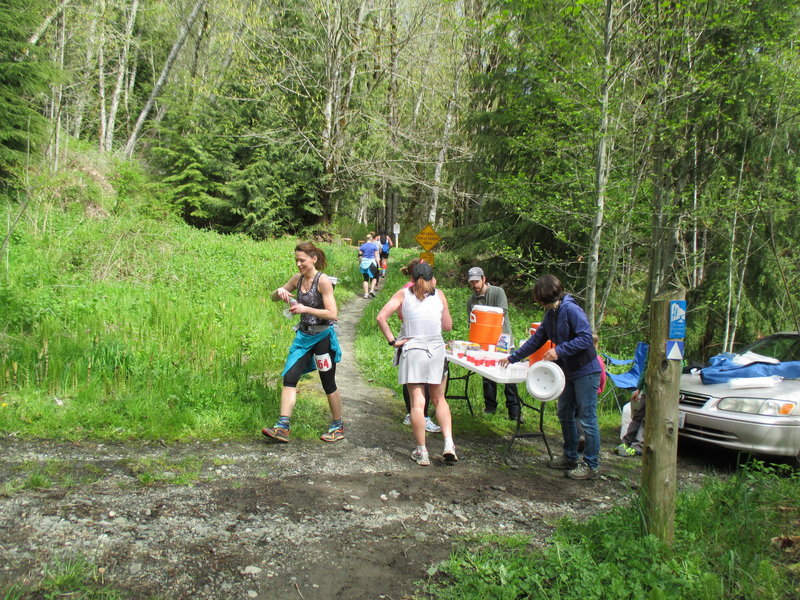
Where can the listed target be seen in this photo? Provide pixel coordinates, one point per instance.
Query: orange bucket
(485, 325)
(537, 356)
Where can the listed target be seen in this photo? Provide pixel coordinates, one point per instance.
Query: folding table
(498, 375)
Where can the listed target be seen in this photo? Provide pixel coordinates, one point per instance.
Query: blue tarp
(722, 369)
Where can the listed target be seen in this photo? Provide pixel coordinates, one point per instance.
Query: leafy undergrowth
(734, 538)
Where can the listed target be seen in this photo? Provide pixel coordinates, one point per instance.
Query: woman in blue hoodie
(565, 324)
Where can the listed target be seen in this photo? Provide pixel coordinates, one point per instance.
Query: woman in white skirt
(422, 354)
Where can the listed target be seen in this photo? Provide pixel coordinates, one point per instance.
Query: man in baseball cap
(485, 294)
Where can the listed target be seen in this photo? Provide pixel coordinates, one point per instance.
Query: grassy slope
(115, 324)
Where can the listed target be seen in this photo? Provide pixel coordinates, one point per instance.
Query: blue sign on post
(674, 350)
(677, 319)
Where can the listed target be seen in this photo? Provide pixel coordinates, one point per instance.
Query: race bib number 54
(324, 361)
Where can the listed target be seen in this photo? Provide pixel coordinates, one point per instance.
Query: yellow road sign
(427, 257)
(427, 238)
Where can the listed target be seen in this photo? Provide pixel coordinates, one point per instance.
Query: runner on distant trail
(386, 245)
(315, 345)
(368, 265)
(422, 355)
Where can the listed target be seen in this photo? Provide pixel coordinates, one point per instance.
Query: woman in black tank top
(315, 345)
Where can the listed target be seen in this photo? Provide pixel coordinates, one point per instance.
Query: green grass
(723, 548)
(184, 471)
(51, 474)
(69, 576)
(125, 327)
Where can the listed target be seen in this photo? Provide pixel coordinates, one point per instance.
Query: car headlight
(769, 407)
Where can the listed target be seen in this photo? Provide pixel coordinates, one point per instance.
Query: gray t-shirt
(494, 296)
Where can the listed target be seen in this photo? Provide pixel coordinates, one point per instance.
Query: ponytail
(423, 288)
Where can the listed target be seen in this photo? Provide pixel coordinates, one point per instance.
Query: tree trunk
(196, 56)
(392, 108)
(122, 68)
(601, 169)
(659, 461)
(84, 91)
(46, 23)
(162, 79)
(442, 157)
(101, 76)
(731, 269)
(58, 95)
(738, 306)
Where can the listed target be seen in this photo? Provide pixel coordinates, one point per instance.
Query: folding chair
(616, 362)
(630, 379)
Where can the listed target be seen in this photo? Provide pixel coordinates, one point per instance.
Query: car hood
(787, 389)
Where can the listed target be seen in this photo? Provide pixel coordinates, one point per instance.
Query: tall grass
(123, 326)
(724, 548)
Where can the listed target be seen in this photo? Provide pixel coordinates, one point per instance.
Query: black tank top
(313, 299)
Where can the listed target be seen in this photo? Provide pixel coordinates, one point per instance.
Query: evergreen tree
(24, 76)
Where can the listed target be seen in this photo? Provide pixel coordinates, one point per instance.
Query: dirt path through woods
(308, 520)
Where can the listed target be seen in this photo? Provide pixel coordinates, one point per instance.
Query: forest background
(628, 147)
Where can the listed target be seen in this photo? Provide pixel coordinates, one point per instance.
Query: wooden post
(660, 454)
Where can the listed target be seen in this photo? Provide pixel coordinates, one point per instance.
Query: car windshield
(783, 346)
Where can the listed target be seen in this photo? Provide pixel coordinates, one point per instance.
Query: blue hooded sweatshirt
(568, 328)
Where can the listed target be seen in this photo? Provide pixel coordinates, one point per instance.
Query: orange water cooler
(485, 325)
(537, 356)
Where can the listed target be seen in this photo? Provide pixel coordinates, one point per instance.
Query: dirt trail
(352, 520)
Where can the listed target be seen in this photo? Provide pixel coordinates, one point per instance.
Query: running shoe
(625, 450)
(449, 453)
(421, 457)
(276, 433)
(333, 435)
(562, 463)
(583, 471)
(431, 427)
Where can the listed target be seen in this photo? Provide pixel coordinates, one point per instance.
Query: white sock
(448, 442)
(421, 449)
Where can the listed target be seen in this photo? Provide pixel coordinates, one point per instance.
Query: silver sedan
(761, 420)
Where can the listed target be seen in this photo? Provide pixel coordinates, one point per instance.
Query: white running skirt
(422, 361)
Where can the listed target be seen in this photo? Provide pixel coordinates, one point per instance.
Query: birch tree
(162, 79)
(122, 70)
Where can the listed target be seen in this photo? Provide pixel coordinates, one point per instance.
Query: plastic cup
(287, 311)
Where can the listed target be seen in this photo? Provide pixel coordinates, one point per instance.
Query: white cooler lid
(545, 380)
(483, 308)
